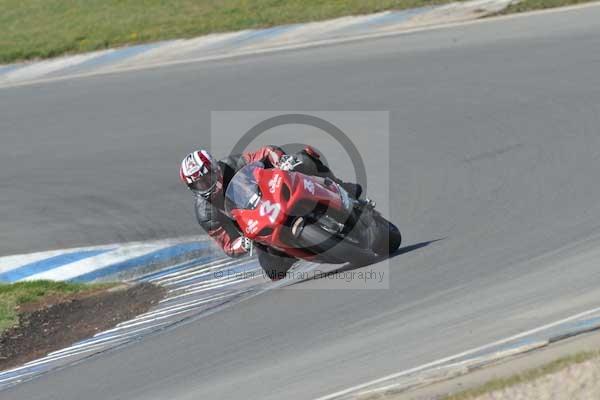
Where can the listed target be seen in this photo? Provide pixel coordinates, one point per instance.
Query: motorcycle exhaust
(297, 226)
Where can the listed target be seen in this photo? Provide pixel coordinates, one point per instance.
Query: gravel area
(53, 323)
(575, 382)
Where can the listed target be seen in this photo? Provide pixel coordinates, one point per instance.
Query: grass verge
(14, 295)
(47, 28)
(34, 29)
(527, 376)
(530, 5)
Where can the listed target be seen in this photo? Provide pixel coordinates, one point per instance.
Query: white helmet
(201, 173)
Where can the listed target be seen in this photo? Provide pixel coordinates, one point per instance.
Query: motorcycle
(306, 217)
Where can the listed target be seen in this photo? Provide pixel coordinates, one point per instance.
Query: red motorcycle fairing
(281, 194)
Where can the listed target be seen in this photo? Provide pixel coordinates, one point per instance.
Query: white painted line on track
(47, 360)
(20, 377)
(77, 352)
(194, 275)
(204, 289)
(212, 282)
(196, 270)
(459, 355)
(131, 324)
(179, 46)
(48, 66)
(110, 337)
(84, 347)
(464, 364)
(181, 304)
(181, 307)
(190, 293)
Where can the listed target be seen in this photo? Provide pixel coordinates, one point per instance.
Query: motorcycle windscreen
(243, 192)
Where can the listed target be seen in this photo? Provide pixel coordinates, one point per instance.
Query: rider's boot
(368, 203)
(353, 189)
(318, 168)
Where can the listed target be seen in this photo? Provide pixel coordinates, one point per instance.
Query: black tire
(389, 239)
(276, 267)
(332, 248)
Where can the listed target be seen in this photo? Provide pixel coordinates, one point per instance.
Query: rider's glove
(288, 162)
(242, 244)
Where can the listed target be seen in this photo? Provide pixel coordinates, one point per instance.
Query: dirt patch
(59, 321)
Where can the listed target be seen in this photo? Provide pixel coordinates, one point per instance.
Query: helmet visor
(203, 183)
(206, 183)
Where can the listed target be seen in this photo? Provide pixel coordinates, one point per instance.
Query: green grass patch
(527, 376)
(47, 28)
(530, 5)
(16, 294)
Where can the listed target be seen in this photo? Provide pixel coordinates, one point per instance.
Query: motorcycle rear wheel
(389, 237)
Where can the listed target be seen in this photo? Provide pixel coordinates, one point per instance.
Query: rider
(208, 178)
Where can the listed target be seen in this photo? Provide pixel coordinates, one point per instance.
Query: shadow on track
(349, 267)
(413, 247)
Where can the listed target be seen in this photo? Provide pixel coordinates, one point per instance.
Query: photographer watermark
(361, 275)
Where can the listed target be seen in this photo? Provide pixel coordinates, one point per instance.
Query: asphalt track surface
(495, 150)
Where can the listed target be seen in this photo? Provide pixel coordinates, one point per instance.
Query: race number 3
(271, 210)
